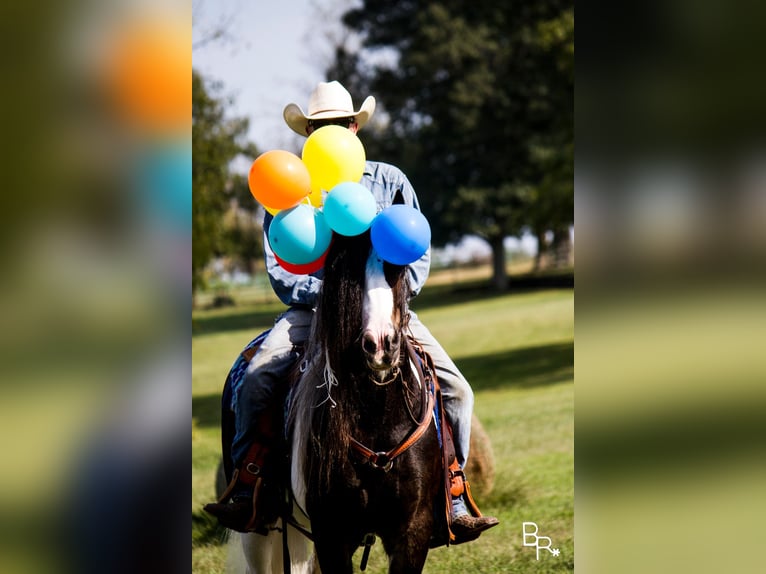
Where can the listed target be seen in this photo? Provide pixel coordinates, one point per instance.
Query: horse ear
(398, 197)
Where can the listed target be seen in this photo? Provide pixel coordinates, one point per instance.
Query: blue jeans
(278, 354)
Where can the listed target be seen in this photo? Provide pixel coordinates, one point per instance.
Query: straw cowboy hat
(328, 100)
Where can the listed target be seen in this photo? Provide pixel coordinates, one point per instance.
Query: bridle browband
(384, 460)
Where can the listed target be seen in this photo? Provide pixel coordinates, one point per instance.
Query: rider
(330, 103)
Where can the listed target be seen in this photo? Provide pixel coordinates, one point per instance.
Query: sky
(274, 55)
(270, 59)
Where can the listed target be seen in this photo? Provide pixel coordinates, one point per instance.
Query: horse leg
(263, 554)
(301, 553)
(333, 551)
(408, 548)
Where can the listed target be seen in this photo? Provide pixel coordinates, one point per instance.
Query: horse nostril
(368, 343)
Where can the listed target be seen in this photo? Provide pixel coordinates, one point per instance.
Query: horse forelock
(342, 295)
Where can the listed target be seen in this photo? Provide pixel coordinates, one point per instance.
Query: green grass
(516, 350)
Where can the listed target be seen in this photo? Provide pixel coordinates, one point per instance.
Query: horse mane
(333, 387)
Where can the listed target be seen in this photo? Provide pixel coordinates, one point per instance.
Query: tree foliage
(478, 98)
(216, 141)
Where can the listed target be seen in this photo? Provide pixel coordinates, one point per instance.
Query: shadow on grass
(520, 368)
(507, 494)
(206, 530)
(452, 293)
(236, 320)
(206, 409)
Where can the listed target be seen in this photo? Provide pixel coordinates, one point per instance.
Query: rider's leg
(267, 369)
(458, 406)
(456, 392)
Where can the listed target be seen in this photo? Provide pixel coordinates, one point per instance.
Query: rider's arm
(291, 289)
(417, 272)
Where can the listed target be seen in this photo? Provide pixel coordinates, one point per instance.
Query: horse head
(363, 307)
(384, 314)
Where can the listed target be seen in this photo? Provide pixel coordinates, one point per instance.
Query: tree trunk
(499, 273)
(541, 248)
(562, 247)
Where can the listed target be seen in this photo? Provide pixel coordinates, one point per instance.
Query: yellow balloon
(333, 154)
(315, 197)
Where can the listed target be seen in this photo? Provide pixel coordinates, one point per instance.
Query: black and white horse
(365, 456)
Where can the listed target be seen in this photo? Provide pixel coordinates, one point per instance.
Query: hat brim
(298, 121)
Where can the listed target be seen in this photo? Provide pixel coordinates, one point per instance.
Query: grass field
(517, 351)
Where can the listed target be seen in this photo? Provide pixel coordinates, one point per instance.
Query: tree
(479, 106)
(243, 228)
(216, 141)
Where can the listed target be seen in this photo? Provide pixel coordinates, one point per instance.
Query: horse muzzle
(381, 350)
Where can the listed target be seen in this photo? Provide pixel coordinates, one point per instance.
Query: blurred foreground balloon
(400, 234)
(333, 154)
(306, 269)
(299, 235)
(349, 208)
(278, 179)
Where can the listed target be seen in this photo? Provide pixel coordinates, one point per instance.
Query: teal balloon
(349, 208)
(400, 234)
(299, 235)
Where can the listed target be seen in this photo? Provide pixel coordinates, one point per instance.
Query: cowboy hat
(328, 100)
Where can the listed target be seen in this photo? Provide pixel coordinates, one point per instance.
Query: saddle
(455, 481)
(265, 468)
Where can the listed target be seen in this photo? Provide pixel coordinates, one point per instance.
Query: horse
(365, 457)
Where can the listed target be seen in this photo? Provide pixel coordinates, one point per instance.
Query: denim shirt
(383, 180)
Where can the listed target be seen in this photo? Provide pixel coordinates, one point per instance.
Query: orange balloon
(146, 74)
(279, 179)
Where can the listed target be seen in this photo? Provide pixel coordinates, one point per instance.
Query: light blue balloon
(349, 208)
(400, 234)
(299, 235)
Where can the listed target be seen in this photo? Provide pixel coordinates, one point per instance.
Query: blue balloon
(299, 235)
(349, 208)
(400, 234)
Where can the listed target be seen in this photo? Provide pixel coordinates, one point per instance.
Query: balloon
(302, 269)
(299, 235)
(315, 197)
(333, 154)
(349, 208)
(400, 234)
(279, 179)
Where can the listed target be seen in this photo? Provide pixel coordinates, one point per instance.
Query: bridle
(384, 460)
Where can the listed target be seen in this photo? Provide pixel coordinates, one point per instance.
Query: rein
(384, 460)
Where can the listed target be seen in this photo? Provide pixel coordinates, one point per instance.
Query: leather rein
(384, 460)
